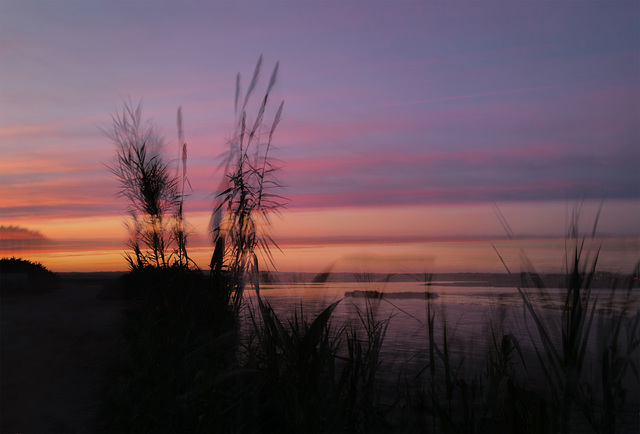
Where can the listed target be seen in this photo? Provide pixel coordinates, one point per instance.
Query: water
(469, 312)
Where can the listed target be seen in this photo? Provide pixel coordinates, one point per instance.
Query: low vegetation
(20, 276)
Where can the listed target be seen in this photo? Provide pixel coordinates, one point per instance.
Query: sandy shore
(55, 348)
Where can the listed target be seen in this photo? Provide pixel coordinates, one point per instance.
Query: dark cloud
(16, 238)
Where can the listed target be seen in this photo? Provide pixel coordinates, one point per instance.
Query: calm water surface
(469, 312)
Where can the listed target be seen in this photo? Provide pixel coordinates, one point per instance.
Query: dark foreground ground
(55, 348)
(54, 351)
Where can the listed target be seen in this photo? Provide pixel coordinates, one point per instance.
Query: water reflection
(472, 314)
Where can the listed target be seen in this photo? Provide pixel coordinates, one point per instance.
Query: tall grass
(303, 373)
(571, 400)
(618, 343)
(150, 187)
(360, 373)
(297, 370)
(246, 200)
(447, 399)
(177, 369)
(179, 231)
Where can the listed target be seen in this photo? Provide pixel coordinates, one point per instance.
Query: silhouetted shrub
(20, 276)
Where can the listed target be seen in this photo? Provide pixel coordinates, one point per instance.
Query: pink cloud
(368, 196)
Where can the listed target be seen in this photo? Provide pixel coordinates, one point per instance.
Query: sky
(406, 125)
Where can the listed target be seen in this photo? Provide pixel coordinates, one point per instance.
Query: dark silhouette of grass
(303, 373)
(152, 190)
(572, 396)
(246, 200)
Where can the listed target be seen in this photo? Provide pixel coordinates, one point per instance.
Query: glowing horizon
(435, 238)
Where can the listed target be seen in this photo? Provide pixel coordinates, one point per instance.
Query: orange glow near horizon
(425, 257)
(425, 238)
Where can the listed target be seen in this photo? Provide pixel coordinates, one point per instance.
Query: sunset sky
(404, 122)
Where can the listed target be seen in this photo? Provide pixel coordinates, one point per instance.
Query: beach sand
(55, 349)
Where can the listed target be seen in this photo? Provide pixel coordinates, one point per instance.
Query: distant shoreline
(601, 280)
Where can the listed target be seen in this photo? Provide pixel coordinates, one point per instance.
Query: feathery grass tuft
(240, 219)
(151, 189)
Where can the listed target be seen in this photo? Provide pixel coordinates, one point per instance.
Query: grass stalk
(245, 200)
